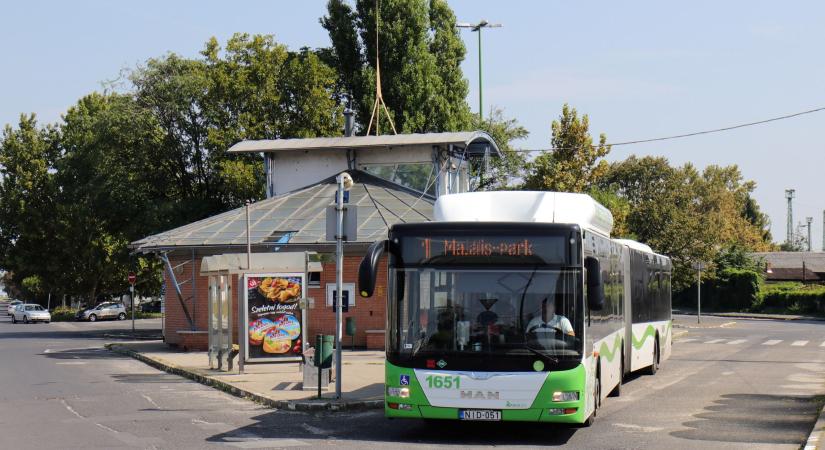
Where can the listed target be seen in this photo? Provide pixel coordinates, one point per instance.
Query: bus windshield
(477, 314)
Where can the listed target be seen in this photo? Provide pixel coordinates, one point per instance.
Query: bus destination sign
(481, 249)
(476, 247)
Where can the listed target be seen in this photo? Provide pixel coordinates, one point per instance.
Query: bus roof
(525, 206)
(635, 245)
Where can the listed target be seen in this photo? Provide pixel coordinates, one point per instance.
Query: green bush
(792, 298)
(63, 314)
(734, 290)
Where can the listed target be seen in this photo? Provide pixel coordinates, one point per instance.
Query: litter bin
(318, 363)
(323, 350)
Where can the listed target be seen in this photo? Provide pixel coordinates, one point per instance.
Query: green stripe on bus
(608, 353)
(650, 331)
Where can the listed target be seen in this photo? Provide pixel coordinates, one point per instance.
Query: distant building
(808, 267)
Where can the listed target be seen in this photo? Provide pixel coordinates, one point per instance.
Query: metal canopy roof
(299, 217)
(476, 142)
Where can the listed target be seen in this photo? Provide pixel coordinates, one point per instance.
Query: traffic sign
(132, 278)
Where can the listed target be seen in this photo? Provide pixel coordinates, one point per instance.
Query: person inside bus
(548, 319)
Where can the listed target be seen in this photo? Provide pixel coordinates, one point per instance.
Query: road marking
(822, 344)
(71, 410)
(314, 430)
(714, 341)
(738, 341)
(149, 399)
(106, 428)
(800, 343)
(692, 339)
(269, 443)
(71, 363)
(629, 426)
(772, 342)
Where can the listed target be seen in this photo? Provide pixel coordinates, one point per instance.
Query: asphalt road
(755, 384)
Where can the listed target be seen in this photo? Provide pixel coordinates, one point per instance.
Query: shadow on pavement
(148, 378)
(372, 426)
(83, 353)
(755, 418)
(44, 331)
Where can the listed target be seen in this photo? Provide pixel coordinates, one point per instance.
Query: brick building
(300, 186)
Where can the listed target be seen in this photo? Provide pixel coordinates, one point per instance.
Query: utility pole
(809, 220)
(477, 28)
(699, 265)
(789, 195)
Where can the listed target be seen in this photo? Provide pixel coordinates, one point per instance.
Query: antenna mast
(379, 97)
(789, 194)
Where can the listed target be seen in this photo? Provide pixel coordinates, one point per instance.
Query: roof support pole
(269, 169)
(174, 279)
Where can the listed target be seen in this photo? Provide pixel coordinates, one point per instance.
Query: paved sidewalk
(274, 385)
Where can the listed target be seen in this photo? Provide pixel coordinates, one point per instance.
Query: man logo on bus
(480, 395)
(405, 380)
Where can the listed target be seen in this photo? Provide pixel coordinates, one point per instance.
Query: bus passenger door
(627, 309)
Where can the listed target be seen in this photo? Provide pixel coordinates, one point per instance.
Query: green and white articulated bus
(517, 306)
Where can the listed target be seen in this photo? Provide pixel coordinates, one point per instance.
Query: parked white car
(27, 312)
(11, 306)
(103, 311)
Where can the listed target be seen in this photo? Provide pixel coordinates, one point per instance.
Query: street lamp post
(698, 266)
(477, 28)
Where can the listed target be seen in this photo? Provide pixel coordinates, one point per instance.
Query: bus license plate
(479, 414)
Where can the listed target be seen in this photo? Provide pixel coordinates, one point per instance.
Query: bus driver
(550, 320)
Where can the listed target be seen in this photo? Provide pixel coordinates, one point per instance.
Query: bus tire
(597, 393)
(655, 366)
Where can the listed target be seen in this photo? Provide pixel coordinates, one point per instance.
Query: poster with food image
(274, 315)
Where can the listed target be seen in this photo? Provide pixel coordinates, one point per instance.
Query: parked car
(27, 312)
(11, 306)
(150, 307)
(103, 311)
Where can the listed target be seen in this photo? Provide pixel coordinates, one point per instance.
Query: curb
(817, 433)
(762, 316)
(678, 334)
(292, 405)
(704, 327)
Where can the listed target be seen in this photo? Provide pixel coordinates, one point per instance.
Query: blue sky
(638, 69)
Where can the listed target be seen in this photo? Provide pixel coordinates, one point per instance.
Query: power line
(680, 136)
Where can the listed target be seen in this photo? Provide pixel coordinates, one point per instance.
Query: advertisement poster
(274, 316)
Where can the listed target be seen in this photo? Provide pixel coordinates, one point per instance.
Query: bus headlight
(565, 396)
(398, 392)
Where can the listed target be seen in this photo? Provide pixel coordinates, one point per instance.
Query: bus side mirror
(368, 270)
(595, 287)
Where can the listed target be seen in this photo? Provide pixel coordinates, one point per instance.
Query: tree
(420, 58)
(683, 213)
(254, 89)
(113, 191)
(28, 199)
(574, 164)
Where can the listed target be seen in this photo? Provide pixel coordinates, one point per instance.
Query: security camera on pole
(345, 228)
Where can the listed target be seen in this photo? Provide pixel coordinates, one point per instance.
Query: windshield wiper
(548, 358)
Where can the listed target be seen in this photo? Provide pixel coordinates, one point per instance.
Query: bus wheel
(655, 366)
(597, 393)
